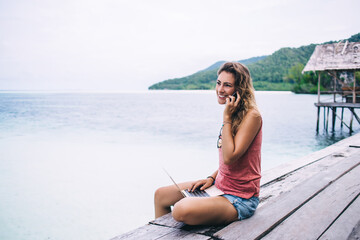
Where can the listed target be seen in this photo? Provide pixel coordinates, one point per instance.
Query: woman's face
(225, 86)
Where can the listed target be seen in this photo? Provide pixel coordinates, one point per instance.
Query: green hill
(273, 72)
(270, 73)
(204, 79)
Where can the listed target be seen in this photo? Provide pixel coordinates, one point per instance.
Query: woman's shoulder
(254, 114)
(252, 121)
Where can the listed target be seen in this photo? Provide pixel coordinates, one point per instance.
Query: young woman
(238, 175)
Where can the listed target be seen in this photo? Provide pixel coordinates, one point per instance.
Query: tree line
(280, 71)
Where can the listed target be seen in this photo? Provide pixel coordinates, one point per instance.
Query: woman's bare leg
(204, 211)
(165, 197)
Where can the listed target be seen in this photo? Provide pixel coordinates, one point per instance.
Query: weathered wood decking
(314, 197)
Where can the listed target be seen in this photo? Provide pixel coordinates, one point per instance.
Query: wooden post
(343, 122)
(327, 119)
(335, 88)
(354, 101)
(319, 88)
(333, 118)
(334, 108)
(324, 117)
(342, 117)
(354, 93)
(318, 118)
(351, 120)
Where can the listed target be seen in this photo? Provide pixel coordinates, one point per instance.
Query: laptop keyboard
(197, 193)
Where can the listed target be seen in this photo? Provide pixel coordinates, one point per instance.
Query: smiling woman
(238, 175)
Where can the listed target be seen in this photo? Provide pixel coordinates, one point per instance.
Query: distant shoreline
(116, 92)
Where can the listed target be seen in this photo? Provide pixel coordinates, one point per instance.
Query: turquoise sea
(85, 165)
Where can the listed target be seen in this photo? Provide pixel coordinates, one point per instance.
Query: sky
(128, 45)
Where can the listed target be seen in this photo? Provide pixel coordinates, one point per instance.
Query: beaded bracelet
(225, 122)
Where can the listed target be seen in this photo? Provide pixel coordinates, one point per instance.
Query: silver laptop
(209, 192)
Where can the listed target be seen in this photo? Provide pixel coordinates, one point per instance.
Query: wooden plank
(344, 225)
(355, 233)
(313, 218)
(205, 230)
(146, 232)
(268, 217)
(181, 234)
(272, 174)
(176, 230)
(334, 104)
(168, 221)
(288, 181)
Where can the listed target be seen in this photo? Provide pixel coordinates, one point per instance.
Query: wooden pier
(314, 197)
(333, 106)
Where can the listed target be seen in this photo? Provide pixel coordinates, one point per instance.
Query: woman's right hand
(204, 183)
(231, 106)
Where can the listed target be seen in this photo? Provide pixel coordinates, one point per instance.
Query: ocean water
(86, 165)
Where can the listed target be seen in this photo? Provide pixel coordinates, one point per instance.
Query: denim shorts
(245, 207)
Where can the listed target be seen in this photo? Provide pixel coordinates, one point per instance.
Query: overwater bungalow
(340, 60)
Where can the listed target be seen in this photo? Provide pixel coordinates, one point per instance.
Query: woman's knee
(160, 195)
(183, 210)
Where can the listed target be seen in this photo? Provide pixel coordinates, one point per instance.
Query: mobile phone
(241, 103)
(235, 95)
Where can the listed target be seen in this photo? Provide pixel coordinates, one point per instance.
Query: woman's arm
(234, 147)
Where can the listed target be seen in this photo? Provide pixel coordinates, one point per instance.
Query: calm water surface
(85, 165)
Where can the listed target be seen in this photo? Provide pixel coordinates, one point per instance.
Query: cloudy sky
(127, 45)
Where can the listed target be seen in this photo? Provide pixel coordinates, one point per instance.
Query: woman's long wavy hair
(244, 86)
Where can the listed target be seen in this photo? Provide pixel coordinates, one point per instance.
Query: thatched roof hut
(335, 56)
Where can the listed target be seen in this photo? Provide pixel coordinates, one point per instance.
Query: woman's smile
(222, 97)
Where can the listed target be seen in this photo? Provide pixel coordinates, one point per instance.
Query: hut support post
(355, 115)
(333, 118)
(342, 122)
(319, 108)
(327, 119)
(334, 87)
(354, 101)
(351, 121)
(319, 87)
(354, 93)
(324, 117)
(318, 119)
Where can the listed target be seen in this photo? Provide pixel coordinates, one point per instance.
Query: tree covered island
(280, 71)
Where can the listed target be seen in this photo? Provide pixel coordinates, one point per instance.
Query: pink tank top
(242, 178)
